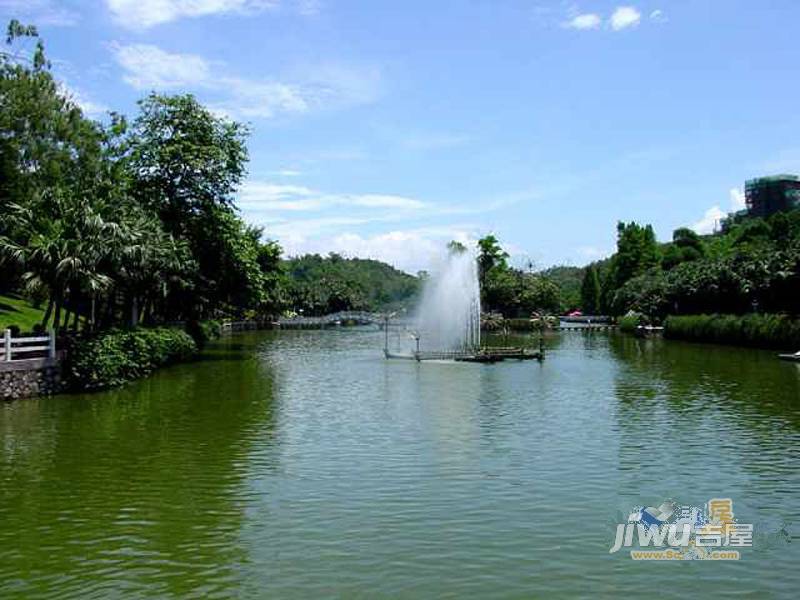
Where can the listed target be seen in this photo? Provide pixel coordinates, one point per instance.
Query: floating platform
(481, 355)
(644, 331)
(586, 327)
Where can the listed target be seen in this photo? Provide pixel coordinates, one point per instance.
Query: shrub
(756, 330)
(629, 323)
(491, 322)
(203, 331)
(519, 324)
(115, 357)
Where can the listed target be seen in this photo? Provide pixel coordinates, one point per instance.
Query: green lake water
(304, 465)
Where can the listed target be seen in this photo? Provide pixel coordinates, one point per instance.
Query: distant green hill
(325, 284)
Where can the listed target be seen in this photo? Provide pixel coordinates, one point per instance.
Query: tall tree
(491, 257)
(590, 292)
(186, 161)
(185, 164)
(637, 251)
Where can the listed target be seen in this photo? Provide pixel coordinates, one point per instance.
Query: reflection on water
(135, 489)
(302, 463)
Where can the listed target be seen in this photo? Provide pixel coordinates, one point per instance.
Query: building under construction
(768, 195)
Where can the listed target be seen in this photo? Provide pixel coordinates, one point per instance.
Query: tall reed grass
(757, 330)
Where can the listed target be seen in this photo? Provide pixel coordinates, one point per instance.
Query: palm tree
(150, 263)
(61, 245)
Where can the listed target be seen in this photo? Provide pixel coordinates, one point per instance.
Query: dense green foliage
(112, 224)
(569, 281)
(118, 356)
(686, 246)
(752, 265)
(512, 292)
(637, 252)
(185, 164)
(760, 330)
(319, 285)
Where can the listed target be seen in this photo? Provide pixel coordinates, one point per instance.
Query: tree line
(751, 265)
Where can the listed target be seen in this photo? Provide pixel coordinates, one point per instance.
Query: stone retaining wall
(28, 378)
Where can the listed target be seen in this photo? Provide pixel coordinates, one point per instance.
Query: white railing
(21, 348)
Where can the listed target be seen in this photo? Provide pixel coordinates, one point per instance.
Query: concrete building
(768, 195)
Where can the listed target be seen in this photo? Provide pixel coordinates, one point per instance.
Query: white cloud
(40, 12)
(624, 17)
(658, 16)
(710, 221)
(584, 21)
(259, 196)
(317, 87)
(264, 100)
(737, 199)
(149, 67)
(305, 219)
(268, 197)
(411, 250)
(298, 231)
(336, 222)
(287, 173)
(143, 14)
(326, 82)
(407, 250)
(262, 196)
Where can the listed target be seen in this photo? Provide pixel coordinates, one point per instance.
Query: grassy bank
(778, 332)
(15, 310)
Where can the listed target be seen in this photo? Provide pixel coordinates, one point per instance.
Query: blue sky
(384, 129)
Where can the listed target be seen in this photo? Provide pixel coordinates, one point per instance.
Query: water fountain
(449, 313)
(447, 322)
